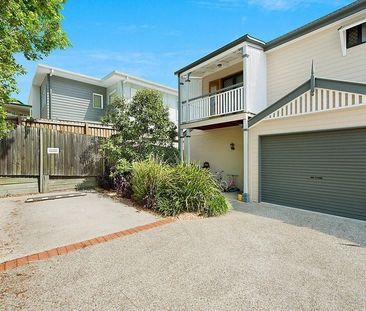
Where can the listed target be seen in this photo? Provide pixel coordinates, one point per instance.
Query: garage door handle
(316, 177)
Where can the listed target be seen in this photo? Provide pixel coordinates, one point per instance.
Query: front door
(214, 86)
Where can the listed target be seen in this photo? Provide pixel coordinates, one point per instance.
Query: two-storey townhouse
(59, 94)
(287, 116)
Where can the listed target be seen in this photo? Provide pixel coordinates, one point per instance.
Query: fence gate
(48, 155)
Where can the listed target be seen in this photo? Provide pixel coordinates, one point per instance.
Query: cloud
(272, 5)
(219, 4)
(139, 58)
(278, 5)
(135, 28)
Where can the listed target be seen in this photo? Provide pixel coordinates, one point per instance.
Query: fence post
(45, 182)
(41, 186)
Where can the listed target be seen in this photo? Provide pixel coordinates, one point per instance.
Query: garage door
(318, 171)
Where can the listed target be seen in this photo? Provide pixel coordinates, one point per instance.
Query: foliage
(149, 177)
(171, 190)
(217, 205)
(122, 184)
(4, 125)
(31, 28)
(122, 167)
(194, 188)
(143, 129)
(106, 181)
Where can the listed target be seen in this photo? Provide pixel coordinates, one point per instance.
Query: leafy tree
(143, 128)
(31, 28)
(4, 125)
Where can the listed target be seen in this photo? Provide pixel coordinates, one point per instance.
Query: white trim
(353, 24)
(343, 34)
(107, 81)
(213, 59)
(342, 37)
(44, 69)
(316, 31)
(142, 82)
(101, 96)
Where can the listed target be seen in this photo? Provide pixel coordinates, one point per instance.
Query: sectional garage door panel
(320, 171)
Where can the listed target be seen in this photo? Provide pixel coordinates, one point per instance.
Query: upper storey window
(356, 35)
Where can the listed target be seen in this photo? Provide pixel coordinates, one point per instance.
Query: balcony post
(245, 125)
(246, 160)
(180, 132)
(188, 146)
(245, 77)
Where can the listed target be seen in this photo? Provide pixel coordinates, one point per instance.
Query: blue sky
(154, 38)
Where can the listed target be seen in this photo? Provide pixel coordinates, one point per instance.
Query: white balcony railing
(218, 104)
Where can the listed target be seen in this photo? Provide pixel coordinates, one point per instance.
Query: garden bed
(168, 190)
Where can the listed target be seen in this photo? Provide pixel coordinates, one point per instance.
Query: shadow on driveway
(345, 228)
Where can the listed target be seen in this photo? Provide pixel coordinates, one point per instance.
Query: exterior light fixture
(188, 75)
(232, 146)
(219, 65)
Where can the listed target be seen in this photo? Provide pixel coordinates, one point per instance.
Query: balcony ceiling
(214, 66)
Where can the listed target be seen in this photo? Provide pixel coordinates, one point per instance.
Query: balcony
(222, 102)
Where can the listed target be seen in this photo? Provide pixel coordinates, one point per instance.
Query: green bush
(171, 190)
(194, 186)
(148, 178)
(217, 205)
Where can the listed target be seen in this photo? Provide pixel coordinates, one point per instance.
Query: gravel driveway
(257, 257)
(27, 228)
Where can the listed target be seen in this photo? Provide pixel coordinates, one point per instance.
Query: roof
(333, 17)
(245, 38)
(16, 107)
(18, 103)
(108, 80)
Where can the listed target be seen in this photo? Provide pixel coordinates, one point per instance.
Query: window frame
(343, 35)
(101, 101)
(359, 33)
(233, 76)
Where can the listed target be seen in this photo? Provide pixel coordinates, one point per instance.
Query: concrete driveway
(27, 228)
(258, 257)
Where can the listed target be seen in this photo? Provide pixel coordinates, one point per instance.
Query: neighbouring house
(288, 116)
(16, 108)
(59, 94)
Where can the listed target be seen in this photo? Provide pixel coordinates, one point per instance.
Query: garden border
(58, 251)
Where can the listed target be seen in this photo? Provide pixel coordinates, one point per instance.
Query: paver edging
(61, 250)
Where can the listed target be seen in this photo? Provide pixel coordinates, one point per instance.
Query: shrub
(193, 187)
(217, 205)
(175, 189)
(105, 180)
(122, 184)
(148, 178)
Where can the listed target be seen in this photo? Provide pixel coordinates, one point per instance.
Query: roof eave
(245, 38)
(344, 12)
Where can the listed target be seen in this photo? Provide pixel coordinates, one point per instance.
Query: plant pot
(240, 197)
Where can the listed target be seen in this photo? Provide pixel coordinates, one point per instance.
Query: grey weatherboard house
(59, 94)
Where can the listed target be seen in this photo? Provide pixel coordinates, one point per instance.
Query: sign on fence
(53, 150)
